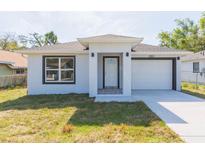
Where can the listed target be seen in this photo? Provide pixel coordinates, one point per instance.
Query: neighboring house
(12, 63)
(106, 65)
(193, 67)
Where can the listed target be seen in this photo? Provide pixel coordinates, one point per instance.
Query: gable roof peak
(109, 38)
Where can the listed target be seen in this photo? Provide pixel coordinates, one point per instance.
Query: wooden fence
(13, 80)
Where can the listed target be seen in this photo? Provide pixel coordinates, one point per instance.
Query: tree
(50, 38)
(32, 40)
(8, 42)
(186, 36)
(38, 40)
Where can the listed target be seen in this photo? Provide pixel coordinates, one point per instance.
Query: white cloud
(71, 25)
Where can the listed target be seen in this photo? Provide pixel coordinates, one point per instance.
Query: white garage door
(151, 74)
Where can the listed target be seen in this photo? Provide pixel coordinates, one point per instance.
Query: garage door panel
(151, 74)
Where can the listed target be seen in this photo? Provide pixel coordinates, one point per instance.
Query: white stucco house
(103, 65)
(193, 67)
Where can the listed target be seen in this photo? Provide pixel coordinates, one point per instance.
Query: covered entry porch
(110, 73)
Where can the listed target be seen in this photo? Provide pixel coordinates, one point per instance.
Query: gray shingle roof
(69, 46)
(76, 46)
(73, 46)
(152, 48)
(108, 36)
(194, 56)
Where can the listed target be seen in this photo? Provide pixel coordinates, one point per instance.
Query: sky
(71, 25)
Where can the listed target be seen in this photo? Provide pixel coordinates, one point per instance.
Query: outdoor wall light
(127, 54)
(178, 58)
(92, 54)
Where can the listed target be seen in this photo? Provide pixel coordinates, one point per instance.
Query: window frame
(21, 71)
(59, 69)
(198, 67)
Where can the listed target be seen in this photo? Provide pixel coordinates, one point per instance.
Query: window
(195, 67)
(59, 69)
(20, 71)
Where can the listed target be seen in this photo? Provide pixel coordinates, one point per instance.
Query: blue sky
(71, 25)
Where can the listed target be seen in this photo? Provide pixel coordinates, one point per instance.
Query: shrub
(195, 86)
(68, 128)
(185, 85)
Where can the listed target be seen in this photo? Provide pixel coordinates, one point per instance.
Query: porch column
(126, 74)
(92, 74)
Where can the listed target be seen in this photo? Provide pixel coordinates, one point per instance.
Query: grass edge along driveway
(193, 89)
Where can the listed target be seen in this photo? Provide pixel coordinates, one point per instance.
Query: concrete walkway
(183, 113)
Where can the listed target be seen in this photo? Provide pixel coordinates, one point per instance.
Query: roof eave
(28, 52)
(153, 53)
(17, 67)
(192, 59)
(86, 41)
(7, 62)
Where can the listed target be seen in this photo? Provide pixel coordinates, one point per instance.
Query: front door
(111, 72)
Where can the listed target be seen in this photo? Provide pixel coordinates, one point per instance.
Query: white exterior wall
(87, 71)
(127, 74)
(93, 74)
(187, 71)
(109, 48)
(35, 83)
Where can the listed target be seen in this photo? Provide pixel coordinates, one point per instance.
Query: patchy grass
(193, 89)
(76, 118)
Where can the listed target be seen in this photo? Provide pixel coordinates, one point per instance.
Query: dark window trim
(174, 74)
(174, 67)
(21, 71)
(118, 69)
(43, 69)
(193, 67)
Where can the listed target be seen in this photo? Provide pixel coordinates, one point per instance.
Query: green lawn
(194, 90)
(76, 118)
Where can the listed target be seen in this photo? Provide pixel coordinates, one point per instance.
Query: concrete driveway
(183, 113)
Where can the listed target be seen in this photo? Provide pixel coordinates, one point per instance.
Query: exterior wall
(187, 72)
(88, 75)
(122, 48)
(5, 70)
(100, 68)
(35, 83)
(93, 77)
(110, 47)
(127, 74)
